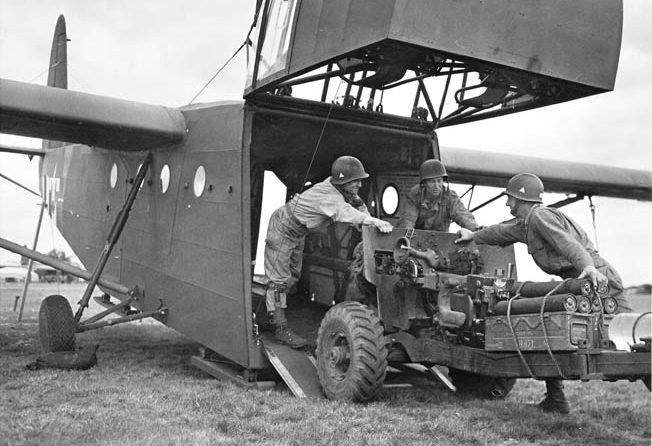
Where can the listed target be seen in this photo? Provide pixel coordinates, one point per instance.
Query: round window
(113, 177)
(200, 181)
(389, 200)
(165, 178)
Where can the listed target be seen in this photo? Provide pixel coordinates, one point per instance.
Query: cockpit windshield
(273, 56)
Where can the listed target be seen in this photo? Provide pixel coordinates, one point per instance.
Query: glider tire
(56, 324)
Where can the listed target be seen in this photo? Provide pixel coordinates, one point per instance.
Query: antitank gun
(462, 307)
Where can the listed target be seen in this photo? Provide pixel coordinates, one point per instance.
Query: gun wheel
(56, 324)
(481, 386)
(351, 353)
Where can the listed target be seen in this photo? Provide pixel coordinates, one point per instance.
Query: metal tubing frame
(82, 327)
(324, 92)
(426, 97)
(327, 76)
(361, 125)
(112, 309)
(114, 234)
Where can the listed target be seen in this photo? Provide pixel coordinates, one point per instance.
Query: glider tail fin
(58, 68)
(58, 72)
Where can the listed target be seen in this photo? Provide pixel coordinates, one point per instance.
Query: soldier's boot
(555, 400)
(267, 324)
(283, 333)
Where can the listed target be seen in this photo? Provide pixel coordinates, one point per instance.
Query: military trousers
(283, 255)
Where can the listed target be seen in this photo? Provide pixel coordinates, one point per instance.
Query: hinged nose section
(511, 47)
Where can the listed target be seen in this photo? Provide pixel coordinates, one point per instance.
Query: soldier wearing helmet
(430, 205)
(334, 199)
(558, 245)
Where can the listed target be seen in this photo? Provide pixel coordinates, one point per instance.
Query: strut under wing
(495, 169)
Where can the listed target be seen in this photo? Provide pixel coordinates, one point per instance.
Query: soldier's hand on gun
(381, 225)
(598, 279)
(465, 236)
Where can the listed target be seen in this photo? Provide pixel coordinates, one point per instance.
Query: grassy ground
(143, 391)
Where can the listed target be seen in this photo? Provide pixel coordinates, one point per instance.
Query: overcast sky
(162, 52)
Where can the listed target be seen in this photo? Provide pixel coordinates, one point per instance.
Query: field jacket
(419, 212)
(557, 244)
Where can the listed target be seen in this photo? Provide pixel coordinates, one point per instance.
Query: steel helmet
(432, 169)
(526, 187)
(347, 168)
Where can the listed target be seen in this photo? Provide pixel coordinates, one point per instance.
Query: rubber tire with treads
(56, 324)
(481, 386)
(351, 353)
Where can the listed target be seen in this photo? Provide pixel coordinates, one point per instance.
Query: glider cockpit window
(272, 56)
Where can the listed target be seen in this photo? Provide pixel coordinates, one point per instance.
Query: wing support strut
(30, 264)
(114, 235)
(491, 200)
(61, 265)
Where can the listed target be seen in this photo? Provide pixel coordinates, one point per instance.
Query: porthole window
(165, 178)
(200, 181)
(113, 177)
(389, 200)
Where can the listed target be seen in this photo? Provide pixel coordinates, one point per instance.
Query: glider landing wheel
(56, 324)
(481, 386)
(351, 353)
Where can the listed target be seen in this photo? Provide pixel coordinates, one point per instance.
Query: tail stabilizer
(58, 72)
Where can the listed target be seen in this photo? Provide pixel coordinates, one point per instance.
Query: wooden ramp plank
(295, 367)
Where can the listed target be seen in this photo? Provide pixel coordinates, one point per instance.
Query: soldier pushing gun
(334, 199)
(558, 246)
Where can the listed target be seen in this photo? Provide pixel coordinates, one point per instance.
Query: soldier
(558, 246)
(334, 199)
(431, 205)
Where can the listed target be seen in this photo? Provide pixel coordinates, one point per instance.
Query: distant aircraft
(162, 205)
(15, 274)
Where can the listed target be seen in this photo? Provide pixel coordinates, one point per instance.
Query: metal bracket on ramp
(430, 372)
(295, 367)
(229, 372)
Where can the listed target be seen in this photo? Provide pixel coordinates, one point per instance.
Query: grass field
(143, 391)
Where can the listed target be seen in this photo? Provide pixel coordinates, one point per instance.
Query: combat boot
(283, 333)
(267, 324)
(555, 401)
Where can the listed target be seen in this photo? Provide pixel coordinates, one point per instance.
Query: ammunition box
(564, 331)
